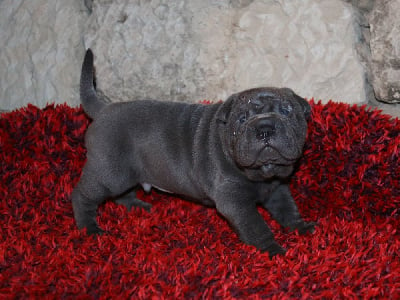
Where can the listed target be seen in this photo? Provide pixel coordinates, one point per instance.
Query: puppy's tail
(91, 103)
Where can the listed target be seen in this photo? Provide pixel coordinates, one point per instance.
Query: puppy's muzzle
(272, 132)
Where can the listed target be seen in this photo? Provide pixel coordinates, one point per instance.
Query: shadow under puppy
(233, 155)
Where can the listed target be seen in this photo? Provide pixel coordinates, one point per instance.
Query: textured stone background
(385, 46)
(191, 50)
(41, 51)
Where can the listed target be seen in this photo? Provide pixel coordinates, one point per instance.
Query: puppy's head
(265, 130)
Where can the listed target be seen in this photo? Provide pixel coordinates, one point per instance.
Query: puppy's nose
(265, 128)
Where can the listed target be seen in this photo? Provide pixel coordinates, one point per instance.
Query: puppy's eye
(285, 110)
(257, 105)
(242, 118)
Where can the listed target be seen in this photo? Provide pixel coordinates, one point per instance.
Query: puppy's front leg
(283, 209)
(250, 226)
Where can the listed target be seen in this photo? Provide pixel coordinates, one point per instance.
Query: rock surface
(191, 50)
(41, 51)
(385, 50)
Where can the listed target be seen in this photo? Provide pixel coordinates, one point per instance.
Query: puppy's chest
(266, 189)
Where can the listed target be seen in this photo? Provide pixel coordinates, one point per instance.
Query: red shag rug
(348, 181)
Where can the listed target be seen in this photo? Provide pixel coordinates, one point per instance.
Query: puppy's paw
(94, 230)
(130, 201)
(303, 227)
(274, 249)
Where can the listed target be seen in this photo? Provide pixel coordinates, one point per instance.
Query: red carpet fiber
(348, 181)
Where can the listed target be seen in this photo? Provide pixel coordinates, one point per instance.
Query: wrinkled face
(267, 129)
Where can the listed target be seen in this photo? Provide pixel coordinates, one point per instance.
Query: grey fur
(233, 156)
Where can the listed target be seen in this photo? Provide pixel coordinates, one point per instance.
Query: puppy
(233, 156)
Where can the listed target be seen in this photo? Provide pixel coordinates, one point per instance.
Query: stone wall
(192, 50)
(385, 48)
(42, 48)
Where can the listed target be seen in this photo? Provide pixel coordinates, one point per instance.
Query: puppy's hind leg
(86, 197)
(92, 190)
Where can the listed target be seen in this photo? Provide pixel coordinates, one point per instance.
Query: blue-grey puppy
(233, 155)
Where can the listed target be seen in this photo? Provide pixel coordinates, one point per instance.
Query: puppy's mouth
(269, 171)
(268, 166)
(276, 166)
(275, 157)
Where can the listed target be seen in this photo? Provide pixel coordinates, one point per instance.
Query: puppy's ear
(225, 110)
(305, 105)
